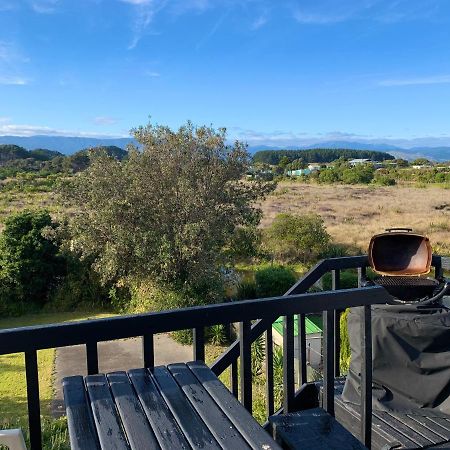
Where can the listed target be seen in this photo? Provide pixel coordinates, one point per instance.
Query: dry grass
(352, 214)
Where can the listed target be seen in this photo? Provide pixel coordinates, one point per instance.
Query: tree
(167, 211)
(29, 262)
(292, 237)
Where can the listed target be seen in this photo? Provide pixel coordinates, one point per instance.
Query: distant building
(313, 167)
(355, 162)
(298, 172)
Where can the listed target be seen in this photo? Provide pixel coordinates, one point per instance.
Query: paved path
(113, 355)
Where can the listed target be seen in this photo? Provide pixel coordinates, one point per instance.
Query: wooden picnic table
(180, 406)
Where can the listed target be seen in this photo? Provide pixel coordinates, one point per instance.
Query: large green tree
(168, 210)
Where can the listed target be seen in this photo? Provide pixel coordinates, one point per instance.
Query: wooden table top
(180, 406)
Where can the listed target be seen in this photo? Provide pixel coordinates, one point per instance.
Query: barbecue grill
(410, 335)
(402, 258)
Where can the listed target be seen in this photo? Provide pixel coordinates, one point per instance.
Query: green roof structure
(313, 325)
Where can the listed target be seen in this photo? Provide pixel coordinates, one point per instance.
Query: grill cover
(411, 358)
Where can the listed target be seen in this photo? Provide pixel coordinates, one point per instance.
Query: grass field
(352, 213)
(13, 404)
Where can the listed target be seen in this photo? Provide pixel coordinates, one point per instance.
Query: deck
(255, 318)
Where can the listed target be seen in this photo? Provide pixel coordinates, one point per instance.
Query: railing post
(199, 344)
(269, 373)
(34, 414)
(234, 380)
(92, 357)
(301, 345)
(288, 364)
(336, 285)
(366, 377)
(362, 273)
(148, 351)
(328, 362)
(246, 364)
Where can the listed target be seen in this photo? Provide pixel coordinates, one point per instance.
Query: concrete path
(112, 355)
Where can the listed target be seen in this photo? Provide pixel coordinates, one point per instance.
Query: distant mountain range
(71, 144)
(64, 144)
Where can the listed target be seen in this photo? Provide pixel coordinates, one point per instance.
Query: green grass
(13, 404)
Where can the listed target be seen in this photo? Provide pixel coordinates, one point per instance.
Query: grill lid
(399, 252)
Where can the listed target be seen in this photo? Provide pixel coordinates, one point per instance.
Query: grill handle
(399, 229)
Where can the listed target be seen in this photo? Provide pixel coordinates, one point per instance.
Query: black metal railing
(264, 312)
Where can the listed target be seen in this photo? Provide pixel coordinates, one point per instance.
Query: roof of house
(313, 325)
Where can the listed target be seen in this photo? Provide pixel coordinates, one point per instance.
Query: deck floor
(396, 430)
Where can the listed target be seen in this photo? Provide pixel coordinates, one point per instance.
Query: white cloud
(433, 79)
(105, 120)
(44, 6)
(152, 74)
(9, 129)
(260, 21)
(13, 81)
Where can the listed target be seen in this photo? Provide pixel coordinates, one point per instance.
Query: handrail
(14, 340)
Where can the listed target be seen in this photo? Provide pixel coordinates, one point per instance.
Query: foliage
(345, 343)
(348, 280)
(246, 290)
(297, 238)
(258, 352)
(29, 262)
(165, 212)
(273, 281)
(360, 174)
(80, 288)
(54, 432)
(318, 155)
(244, 243)
(217, 335)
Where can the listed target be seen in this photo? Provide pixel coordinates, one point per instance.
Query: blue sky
(274, 72)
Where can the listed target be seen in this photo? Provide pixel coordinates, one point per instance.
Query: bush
(273, 281)
(349, 279)
(293, 238)
(385, 180)
(80, 287)
(30, 265)
(246, 290)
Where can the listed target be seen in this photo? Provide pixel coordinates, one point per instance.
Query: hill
(64, 144)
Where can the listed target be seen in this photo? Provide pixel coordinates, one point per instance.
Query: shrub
(297, 238)
(30, 265)
(273, 281)
(246, 290)
(385, 180)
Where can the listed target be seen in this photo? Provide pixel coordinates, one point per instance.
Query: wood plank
(444, 433)
(382, 434)
(163, 423)
(109, 429)
(82, 432)
(313, 429)
(140, 435)
(418, 428)
(194, 429)
(254, 434)
(218, 423)
(418, 440)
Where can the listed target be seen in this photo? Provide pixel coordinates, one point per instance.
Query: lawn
(13, 404)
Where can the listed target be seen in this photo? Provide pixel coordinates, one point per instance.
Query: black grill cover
(411, 358)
